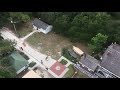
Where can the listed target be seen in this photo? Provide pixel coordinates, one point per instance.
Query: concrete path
(23, 39)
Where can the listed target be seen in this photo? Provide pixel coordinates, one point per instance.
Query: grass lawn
(70, 72)
(64, 62)
(80, 75)
(25, 29)
(52, 43)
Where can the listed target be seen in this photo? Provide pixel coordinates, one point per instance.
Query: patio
(59, 69)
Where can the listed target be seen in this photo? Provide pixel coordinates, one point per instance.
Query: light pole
(14, 25)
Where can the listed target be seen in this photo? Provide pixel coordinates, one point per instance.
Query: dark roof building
(40, 24)
(89, 61)
(111, 59)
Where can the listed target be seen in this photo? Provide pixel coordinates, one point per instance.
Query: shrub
(7, 73)
(24, 55)
(64, 62)
(32, 64)
(5, 61)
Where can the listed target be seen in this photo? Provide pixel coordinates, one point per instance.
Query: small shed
(41, 26)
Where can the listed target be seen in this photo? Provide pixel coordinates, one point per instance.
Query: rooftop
(17, 61)
(31, 74)
(40, 24)
(89, 61)
(111, 59)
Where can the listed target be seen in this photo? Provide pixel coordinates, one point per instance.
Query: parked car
(73, 54)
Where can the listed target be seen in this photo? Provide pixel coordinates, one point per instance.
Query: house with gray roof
(111, 59)
(41, 26)
(89, 62)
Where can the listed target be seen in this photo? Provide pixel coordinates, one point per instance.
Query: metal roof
(17, 61)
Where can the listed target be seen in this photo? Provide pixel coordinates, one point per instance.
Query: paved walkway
(28, 35)
(32, 53)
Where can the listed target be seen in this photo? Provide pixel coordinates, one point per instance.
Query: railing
(85, 72)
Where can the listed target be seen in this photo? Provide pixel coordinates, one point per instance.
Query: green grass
(24, 32)
(70, 72)
(53, 43)
(23, 29)
(34, 39)
(81, 75)
(64, 62)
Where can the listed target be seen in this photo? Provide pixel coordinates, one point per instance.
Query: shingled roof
(89, 61)
(40, 24)
(111, 59)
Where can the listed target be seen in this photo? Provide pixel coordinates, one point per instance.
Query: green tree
(6, 47)
(3, 18)
(5, 61)
(19, 16)
(92, 23)
(7, 72)
(61, 24)
(97, 43)
(49, 17)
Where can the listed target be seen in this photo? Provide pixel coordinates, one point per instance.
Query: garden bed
(64, 62)
(70, 72)
(32, 64)
(24, 55)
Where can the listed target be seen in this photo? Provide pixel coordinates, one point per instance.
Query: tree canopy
(78, 26)
(6, 47)
(97, 43)
(19, 16)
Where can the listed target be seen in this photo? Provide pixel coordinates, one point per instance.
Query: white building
(41, 26)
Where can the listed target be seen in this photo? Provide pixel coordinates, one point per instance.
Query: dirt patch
(52, 44)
